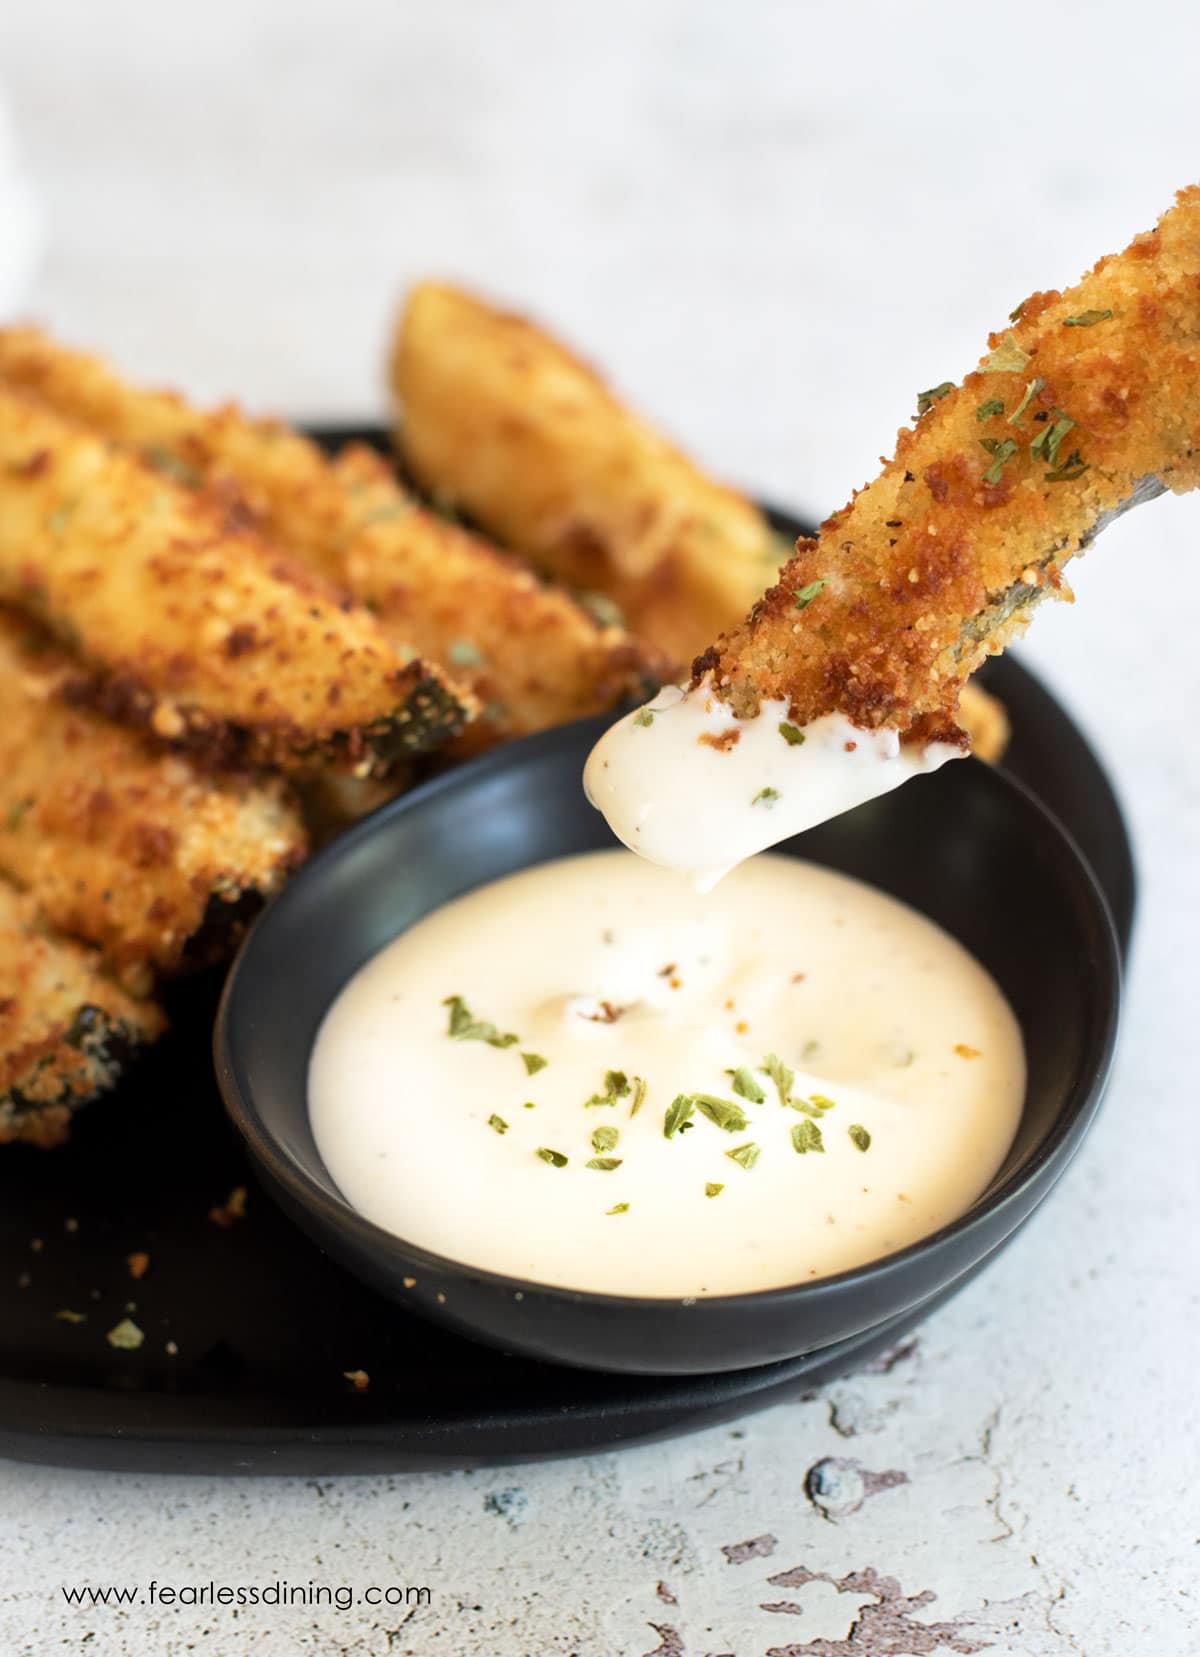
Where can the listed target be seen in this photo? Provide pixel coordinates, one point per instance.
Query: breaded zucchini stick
(66, 1032)
(499, 417)
(192, 626)
(1087, 405)
(530, 655)
(135, 851)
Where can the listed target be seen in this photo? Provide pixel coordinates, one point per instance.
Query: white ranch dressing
(685, 783)
(868, 1003)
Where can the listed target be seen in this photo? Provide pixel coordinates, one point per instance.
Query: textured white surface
(774, 224)
(20, 223)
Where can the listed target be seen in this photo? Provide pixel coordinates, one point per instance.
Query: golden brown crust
(937, 563)
(503, 420)
(66, 1032)
(499, 416)
(985, 720)
(129, 849)
(188, 623)
(530, 656)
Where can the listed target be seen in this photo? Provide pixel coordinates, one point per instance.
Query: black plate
(266, 1325)
(957, 849)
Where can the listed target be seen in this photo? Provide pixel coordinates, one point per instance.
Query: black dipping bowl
(966, 846)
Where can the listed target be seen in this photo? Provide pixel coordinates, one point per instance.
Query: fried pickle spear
(135, 851)
(1087, 405)
(66, 1032)
(497, 416)
(530, 656)
(501, 419)
(193, 627)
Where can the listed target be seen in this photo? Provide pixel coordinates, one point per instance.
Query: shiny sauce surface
(588, 1075)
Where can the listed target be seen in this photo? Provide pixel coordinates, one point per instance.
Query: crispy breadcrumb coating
(1089, 403)
(529, 654)
(191, 625)
(66, 1032)
(130, 849)
(500, 418)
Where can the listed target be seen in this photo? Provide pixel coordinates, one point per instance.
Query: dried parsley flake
(464, 1026)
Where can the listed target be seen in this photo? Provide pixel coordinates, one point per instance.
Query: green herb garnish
(604, 1139)
(792, 735)
(1074, 466)
(926, 399)
(815, 1105)
(1001, 453)
(810, 1049)
(643, 717)
(602, 609)
(986, 410)
(1045, 444)
(639, 1093)
(744, 1155)
(806, 1136)
(745, 1085)
(605, 1164)
(465, 654)
(16, 815)
(805, 595)
(1007, 358)
(464, 1027)
(859, 1135)
(712, 1189)
(1015, 316)
(723, 1112)
(618, 1208)
(616, 1086)
(533, 1062)
(766, 796)
(529, 1105)
(774, 1067)
(386, 513)
(1057, 432)
(1031, 391)
(170, 465)
(498, 1122)
(126, 1336)
(681, 1109)
(555, 1158)
(1086, 319)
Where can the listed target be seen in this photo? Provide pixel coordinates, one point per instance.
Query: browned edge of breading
(139, 852)
(66, 1032)
(527, 654)
(191, 623)
(939, 561)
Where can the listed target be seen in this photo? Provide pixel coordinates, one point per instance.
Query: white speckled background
(773, 222)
